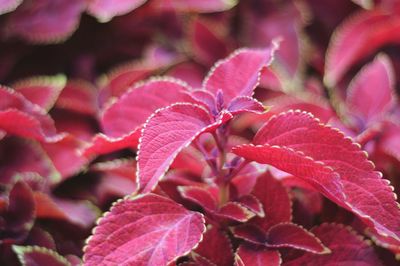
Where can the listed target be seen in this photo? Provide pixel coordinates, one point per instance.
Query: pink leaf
(20, 117)
(246, 104)
(105, 10)
(41, 90)
(147, 230)
(358, 37)
(166, 133)
(216, 247)
(45, 21)
(371, 93)
(347, 248)
(297, 143)
(65, 156)
(78, 96)
(294, 236)
(275, 200)
(256, 256)
(8, 5)
(133, 108)
(239, 74)
(34, 255)
(81, 213)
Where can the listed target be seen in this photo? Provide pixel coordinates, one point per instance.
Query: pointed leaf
(294, 236)
(347, 248)
(216, 247)
(166, 133)
(371, 93)
(238, 74)
(200, 196)
(358, 37)
(297, 143)
(275, 200)
(256, 256)
(147, 230)
(39, 21)
(105, 10)
(253, 204)
(41, 90)
(34, 255)
(236, 212)
(246, 104)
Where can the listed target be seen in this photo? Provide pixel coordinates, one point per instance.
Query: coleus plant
(235, 210)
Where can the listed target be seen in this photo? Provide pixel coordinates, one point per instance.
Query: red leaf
(256, 256)
(65, 156)
(253, 204)
(294, 236)
(20, 117)
(216, 247)
(371, 104)
(41, 90)
(297, 143)
(147, 230)
(81, 213)
(358, 37)
(189, 72)
(166, 133)
(34, 255)
(122, 120)
(78, 96)
(105, 10)
(199, 196)
(205, 44)
(275, 200)
(45, 21)
(236, 212)
(9, 5)
(347, 248)
(238, 74)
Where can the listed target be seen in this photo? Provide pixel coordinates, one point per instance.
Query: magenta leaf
(371, 104)
(20, 117)
(256, 256)
(41, 90)
(81, 213)
(216, 247)
(105, 10)
(146, 230)
(246, 104)
(8, 5)
(294, 236)
(298, 144)
(275, 200)
(165, 134)
(45, 21)
(347, 248)
(122, 120)
(35, 255)
(78, 96)
(236, 212)
(200, 196)
(358, 37)
(239, 74)
(253, 204)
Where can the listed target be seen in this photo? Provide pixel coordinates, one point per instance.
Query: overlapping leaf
(105, 10)
(297, 143)
(148, 230)
(166, 133)
(34, 255)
